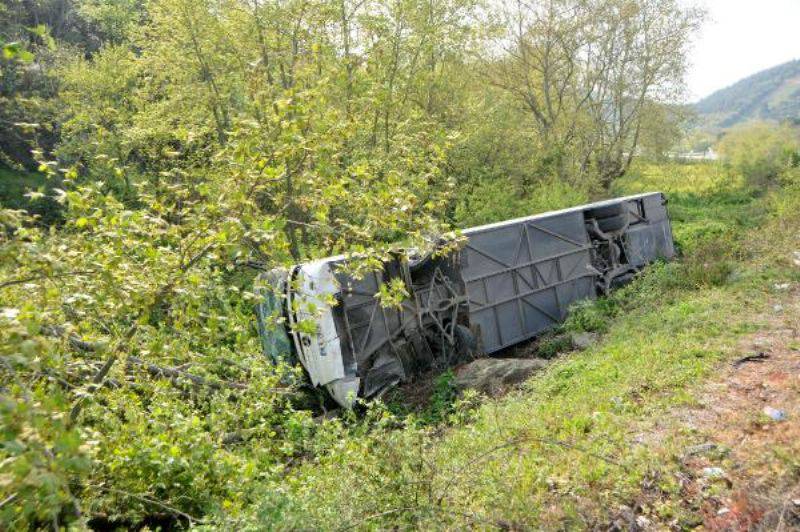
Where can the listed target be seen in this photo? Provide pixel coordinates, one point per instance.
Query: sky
(742, 37)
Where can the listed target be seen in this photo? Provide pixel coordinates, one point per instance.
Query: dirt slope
(744, 474)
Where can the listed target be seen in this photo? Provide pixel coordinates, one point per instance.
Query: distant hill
(772, 94)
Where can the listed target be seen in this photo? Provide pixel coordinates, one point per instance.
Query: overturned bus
(508, 283)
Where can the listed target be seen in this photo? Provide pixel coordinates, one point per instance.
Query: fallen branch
(98, 378)
(154, 370)
(43, 275)
(74, 340)
(148, 500)
(196, 257)
(175, 373)
(758, 358)
(10, 498)
(96, 381)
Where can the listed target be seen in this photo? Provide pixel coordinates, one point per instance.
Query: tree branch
(98, 378)
(175, 373)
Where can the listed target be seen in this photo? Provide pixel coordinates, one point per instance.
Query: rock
(626, 517)
(723, 511)
(643, 522)
(583, 340)
(9, 313)
(796, 258)
(774, 414)
(327, 415)
(492, 375)
(762, 342)
(796, 502)
(734, 277)
(778, 308)
(700, 449)
(713, 472)
(782, 286)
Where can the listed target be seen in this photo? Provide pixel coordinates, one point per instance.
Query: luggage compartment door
(521, 276)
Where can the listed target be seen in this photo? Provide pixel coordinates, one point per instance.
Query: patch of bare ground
(744, 472)
(416, 395)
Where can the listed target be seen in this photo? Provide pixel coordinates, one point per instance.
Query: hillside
(772, 94)
(682, 415)
(173, 174)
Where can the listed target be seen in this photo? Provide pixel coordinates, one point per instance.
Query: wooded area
(172, 148)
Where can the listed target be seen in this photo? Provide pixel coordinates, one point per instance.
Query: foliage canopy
(183, 145)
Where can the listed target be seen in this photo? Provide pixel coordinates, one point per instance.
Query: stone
(700, 449)
(9, 313)
(583, 340)
(774, 414)
(762, 342)
(713, 472)
(626, 517)
(494, 375)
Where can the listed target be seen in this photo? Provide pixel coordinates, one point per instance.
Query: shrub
(695, 234)
(442, 399)
(492, 200)
(591, 315)
(760, 151)
(551, 345)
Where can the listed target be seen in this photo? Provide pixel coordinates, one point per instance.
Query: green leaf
(25, 56)
(43, 32)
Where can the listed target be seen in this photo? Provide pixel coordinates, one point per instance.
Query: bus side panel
(522, 276)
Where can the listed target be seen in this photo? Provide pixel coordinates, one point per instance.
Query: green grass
(15, 183)
(543, 456)
(569, 448)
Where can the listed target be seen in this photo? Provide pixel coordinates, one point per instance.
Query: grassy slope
(568, 449)
(14, 184)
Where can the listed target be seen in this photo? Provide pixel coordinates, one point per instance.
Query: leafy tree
(586, 71)
(296, 112)
(661, 130)
(193, 155)
(760, 150)
(194, 142)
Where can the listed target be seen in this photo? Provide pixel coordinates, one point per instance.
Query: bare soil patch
(744, 474)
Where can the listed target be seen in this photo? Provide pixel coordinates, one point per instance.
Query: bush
(591, 315)
(552, 344)
(760, 151)
(492, 200)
